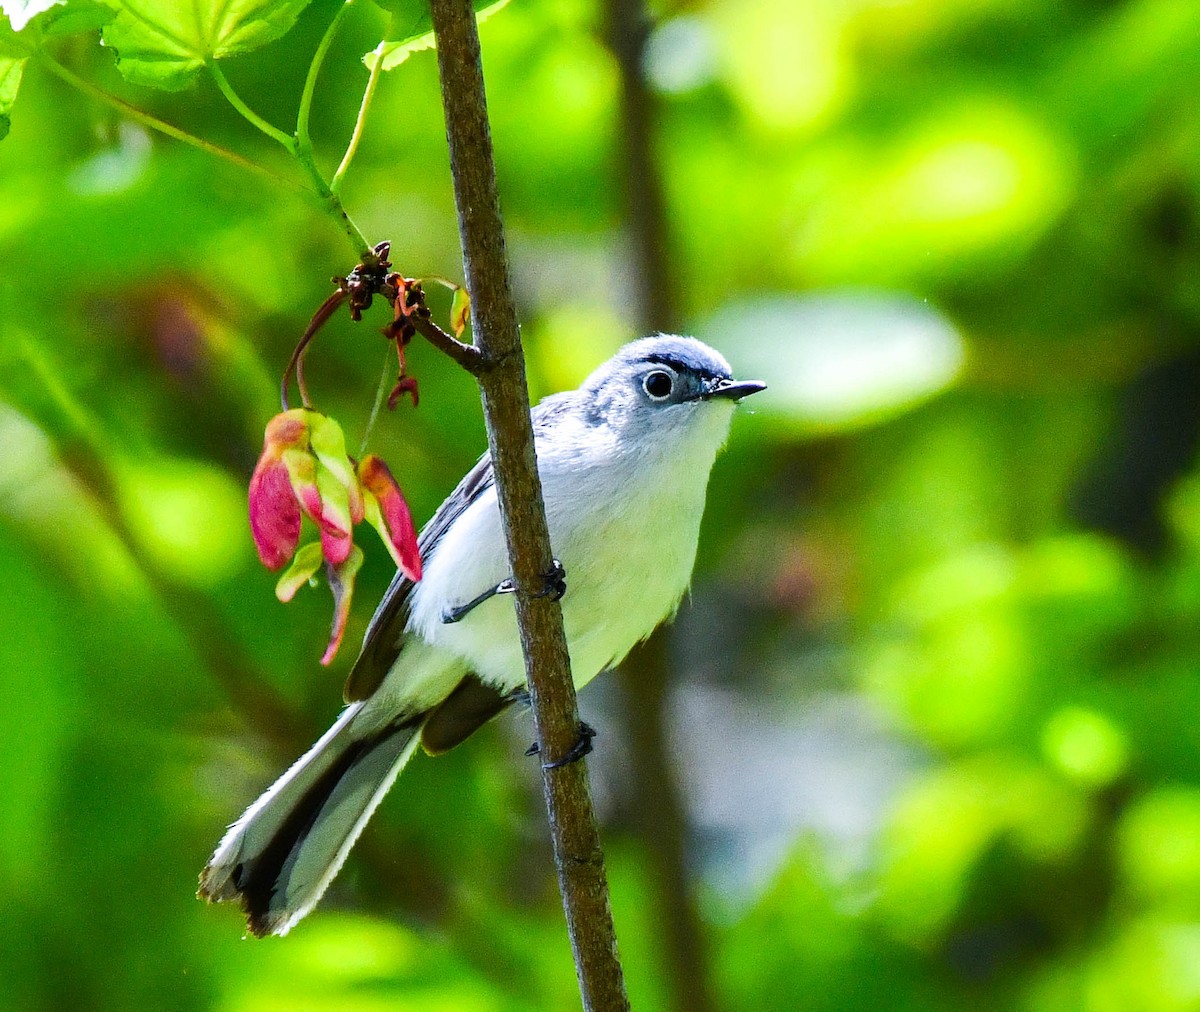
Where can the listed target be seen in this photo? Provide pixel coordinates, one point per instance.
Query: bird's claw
(554, 583)
(582, 746)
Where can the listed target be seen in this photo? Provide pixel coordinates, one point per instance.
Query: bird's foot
(582, 746)
(554, 585)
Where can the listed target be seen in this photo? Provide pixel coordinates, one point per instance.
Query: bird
(624, 462)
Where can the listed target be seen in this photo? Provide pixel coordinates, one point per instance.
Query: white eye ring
(653, 385)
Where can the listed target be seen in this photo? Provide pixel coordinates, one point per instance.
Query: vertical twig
(502, 383)
(657, 808)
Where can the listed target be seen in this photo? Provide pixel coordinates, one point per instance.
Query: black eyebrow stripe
(679, 365)
(674, 363)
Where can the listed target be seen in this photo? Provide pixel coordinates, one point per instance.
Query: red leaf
(274, 512)
(388, 512)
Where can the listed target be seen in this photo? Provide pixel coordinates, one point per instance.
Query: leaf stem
(359, 125)
(162, 127)
(310, 81)
(333, 204)
(248, 114)
(296, 362)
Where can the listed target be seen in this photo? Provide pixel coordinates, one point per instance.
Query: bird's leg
(457, 614)
(554, 585)
(582, 746)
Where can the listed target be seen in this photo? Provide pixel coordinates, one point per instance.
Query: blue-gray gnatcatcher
(624, 462)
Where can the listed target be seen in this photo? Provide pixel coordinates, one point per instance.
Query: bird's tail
(281, 855)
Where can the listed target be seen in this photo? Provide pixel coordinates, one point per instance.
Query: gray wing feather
(385, 631)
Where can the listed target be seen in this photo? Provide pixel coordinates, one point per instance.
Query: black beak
(734, 390)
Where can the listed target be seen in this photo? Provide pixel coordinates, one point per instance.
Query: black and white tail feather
(281, 855)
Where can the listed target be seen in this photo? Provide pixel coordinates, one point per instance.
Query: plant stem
(359, 124)
(333, 204)
(248, 114)
(310, 81)
(162, 127)
(573, 829)
(296, 362)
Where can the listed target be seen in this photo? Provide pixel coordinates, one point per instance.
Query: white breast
(624, 525)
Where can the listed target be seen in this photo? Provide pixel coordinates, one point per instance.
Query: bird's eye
(657, 385)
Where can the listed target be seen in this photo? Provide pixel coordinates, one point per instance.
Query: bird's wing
(385, 632)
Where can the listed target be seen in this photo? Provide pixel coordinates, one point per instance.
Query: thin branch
(248, 114)
(162, 127)
(468, 356)
(310, 80)
(578, 855)
(359, 125)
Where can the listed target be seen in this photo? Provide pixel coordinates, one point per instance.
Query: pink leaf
(274, 512)
(335, 546)
(388, 513)
(341, 582)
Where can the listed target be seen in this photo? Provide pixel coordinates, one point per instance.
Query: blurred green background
(925, 734)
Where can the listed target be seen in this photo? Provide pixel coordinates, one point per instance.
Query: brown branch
(468, 356)
(578, 855)
(657, 809)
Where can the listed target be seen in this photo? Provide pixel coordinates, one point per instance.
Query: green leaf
(411, 30)
(302, 570)
(74, 17)
(10, 43)
(166, 43)
(21, 12)
(11, 69)
(28, 25)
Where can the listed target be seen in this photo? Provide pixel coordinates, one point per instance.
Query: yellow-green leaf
(11, 69)
(460, 311)
(166, 43)
(411, 30)
(303, 568)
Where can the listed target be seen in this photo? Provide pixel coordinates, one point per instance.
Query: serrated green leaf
(10, 44)
(411, 29)
(21, 12)
(24, 26)
(11, 70)
(75, 17)
(166, 43)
